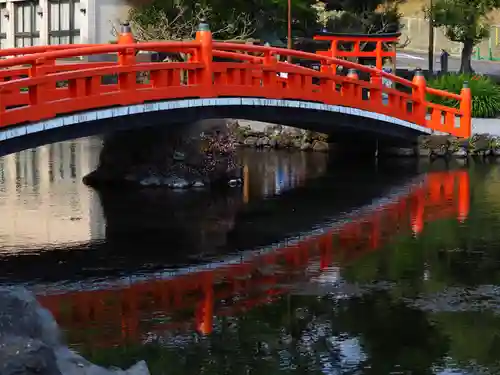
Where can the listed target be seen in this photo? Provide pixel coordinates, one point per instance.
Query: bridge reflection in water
(192, 299)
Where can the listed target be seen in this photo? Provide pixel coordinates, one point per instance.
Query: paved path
(414, 60)
(486, 126)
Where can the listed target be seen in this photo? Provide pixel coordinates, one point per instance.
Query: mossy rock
(285, 140)
(439, 141)
(322, 137)
(495, 142)
(481, 142)
(243, 131)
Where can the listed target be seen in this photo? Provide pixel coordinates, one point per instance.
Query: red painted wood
(29, 79)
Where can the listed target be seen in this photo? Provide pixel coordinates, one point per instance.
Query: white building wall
(84, 21)
(43, 200)
(107, 14)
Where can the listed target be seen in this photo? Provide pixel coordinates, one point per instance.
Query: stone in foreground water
(30, 342)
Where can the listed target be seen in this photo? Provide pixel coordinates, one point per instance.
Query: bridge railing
(38, 84)
(409, 102)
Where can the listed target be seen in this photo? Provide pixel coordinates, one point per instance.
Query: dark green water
(423, 303)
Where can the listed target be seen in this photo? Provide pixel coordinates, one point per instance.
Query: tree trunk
(465, 61)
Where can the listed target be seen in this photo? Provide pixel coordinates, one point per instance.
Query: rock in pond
(320, 146)
(31, 344)
(175, 182)
(460, 153)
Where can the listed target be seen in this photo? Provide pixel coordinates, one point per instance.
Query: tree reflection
(300, 334)
(448, 255)
(393, 336)
(377, 331)
(474, 339)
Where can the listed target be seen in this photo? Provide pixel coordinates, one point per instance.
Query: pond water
(315, 265)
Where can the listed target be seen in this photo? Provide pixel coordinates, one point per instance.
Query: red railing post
(125, 36)
(126, 80)
(333, 51)
(466, 111)
(204, 37)
(34, 92)
(376, 93)
(41, 92)
(378, 55)
(419, 102)
(270, 71)
(352, 88)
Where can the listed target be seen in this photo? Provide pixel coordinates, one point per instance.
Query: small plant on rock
(485, 93)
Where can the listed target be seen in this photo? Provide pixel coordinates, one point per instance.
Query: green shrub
(485, 93)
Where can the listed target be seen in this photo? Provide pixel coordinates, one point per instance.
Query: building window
(3, 27)
(64, 26)
(26, 23)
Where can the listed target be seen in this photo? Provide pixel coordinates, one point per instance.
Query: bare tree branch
(182, 25)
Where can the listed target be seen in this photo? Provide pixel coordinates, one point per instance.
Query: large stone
(320, 146)
(294, 132)
(26, 356)
(437, 144)
(271, 130)
(481, 143)
(262, 142)
(30, 342)
(284, 140)
(424, 152)
(253, 134)
(460, 153)
(273, 143)
(202, 152)
(251, 141)
(306, 146)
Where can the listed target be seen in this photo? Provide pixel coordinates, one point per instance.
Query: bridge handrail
(97, 71)
(97, 50)
(222, 49)
(437, 92)
(237, 56)
(9, 52)
(40, 96)
(224, 46)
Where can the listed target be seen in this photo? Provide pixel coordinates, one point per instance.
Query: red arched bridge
(192, 299)
(41, 91)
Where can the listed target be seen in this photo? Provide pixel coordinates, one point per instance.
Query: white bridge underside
(172, 105)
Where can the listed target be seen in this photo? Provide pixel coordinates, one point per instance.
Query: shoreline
(484, 142)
